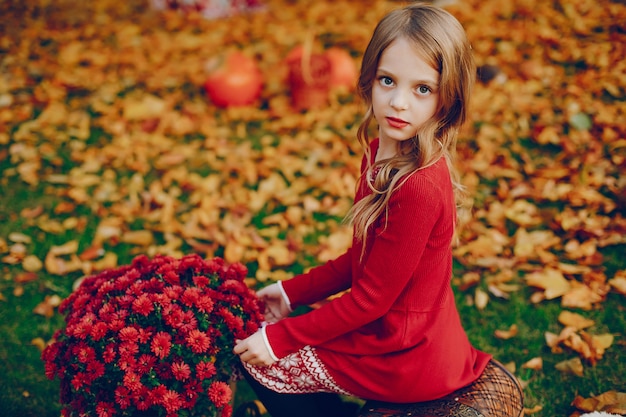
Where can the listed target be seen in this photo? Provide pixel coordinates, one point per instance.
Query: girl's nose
(398, 101)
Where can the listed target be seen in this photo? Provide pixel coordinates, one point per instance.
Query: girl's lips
(396, 123)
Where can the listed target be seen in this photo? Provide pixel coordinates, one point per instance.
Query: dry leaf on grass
(552, 281)
(613, 402)
(535, 409)
(619, 282)
(481, 299)
(507, 334)
(62, 260)
(589, 347)
(47, 306)
(570, 319)
(572, 366)
(535, 364)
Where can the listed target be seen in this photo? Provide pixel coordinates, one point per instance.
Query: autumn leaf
(619, 282)
(535, 364)
(567, 318)
(613, 402)
(552, 281)
(481, 298)
(507, 334)
(47, 306)
(573, 366)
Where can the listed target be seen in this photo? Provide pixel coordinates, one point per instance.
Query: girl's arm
(320, 282)
(396, 252)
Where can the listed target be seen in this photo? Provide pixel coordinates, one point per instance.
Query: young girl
(395, 336)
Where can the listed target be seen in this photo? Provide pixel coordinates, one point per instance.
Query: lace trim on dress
(301, 372)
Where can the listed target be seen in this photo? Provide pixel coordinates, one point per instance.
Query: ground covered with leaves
(109, 147)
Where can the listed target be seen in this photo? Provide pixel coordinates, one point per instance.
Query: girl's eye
(385, 81)
(424, 90)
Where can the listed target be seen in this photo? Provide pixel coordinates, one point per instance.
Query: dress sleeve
(320, 282)
(397, 248)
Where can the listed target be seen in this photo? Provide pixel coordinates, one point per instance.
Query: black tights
(300, 405)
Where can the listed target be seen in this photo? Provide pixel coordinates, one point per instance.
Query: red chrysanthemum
(171, 401)
(145, 335)
(161, 344)
(123, 397)
(150, 337)
(145, 363)
(127, 362)
(205, 304)
(82, 330)
(116, 324)
(84, 353)
(234, 323)
(172, 315)
(132, 381)
(190, 296)
(220, 393)
(126, 300)
(200, 281)
(99, 330)
(128, 334)
(187, 321)
(105, 288)
(227, 411)
(128, 349)
(198, 341)
(106, 312)
(181, 370)
(50, 370)
(164, 371)
(80, 380)
(205, 370)
(109, 353)
(157, 393)
(171, 277)
(192, 389)
(96, 369)
(142, 399)
(142, 305)
(105, 409)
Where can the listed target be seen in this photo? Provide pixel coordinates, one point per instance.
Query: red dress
(396, 335)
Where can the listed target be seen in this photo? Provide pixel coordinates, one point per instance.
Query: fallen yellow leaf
(138, 237)
(535, 364)
(572, 366)
(567, 318)
(613, 402)
(507, 334)
(481, 298)
(551, 281)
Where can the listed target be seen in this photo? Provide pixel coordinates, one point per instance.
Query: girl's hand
(275, 306)
(253, 350)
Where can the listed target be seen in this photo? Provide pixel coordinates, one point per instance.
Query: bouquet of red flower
(153, 338)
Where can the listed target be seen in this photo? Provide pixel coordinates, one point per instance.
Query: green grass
(549, 388)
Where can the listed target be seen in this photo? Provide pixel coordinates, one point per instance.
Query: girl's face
(405, 95)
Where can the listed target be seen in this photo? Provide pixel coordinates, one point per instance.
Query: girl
(395, 336)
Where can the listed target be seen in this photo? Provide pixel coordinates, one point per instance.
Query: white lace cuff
(267, 343)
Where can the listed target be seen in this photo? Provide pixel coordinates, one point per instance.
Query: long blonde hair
(441, 41)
